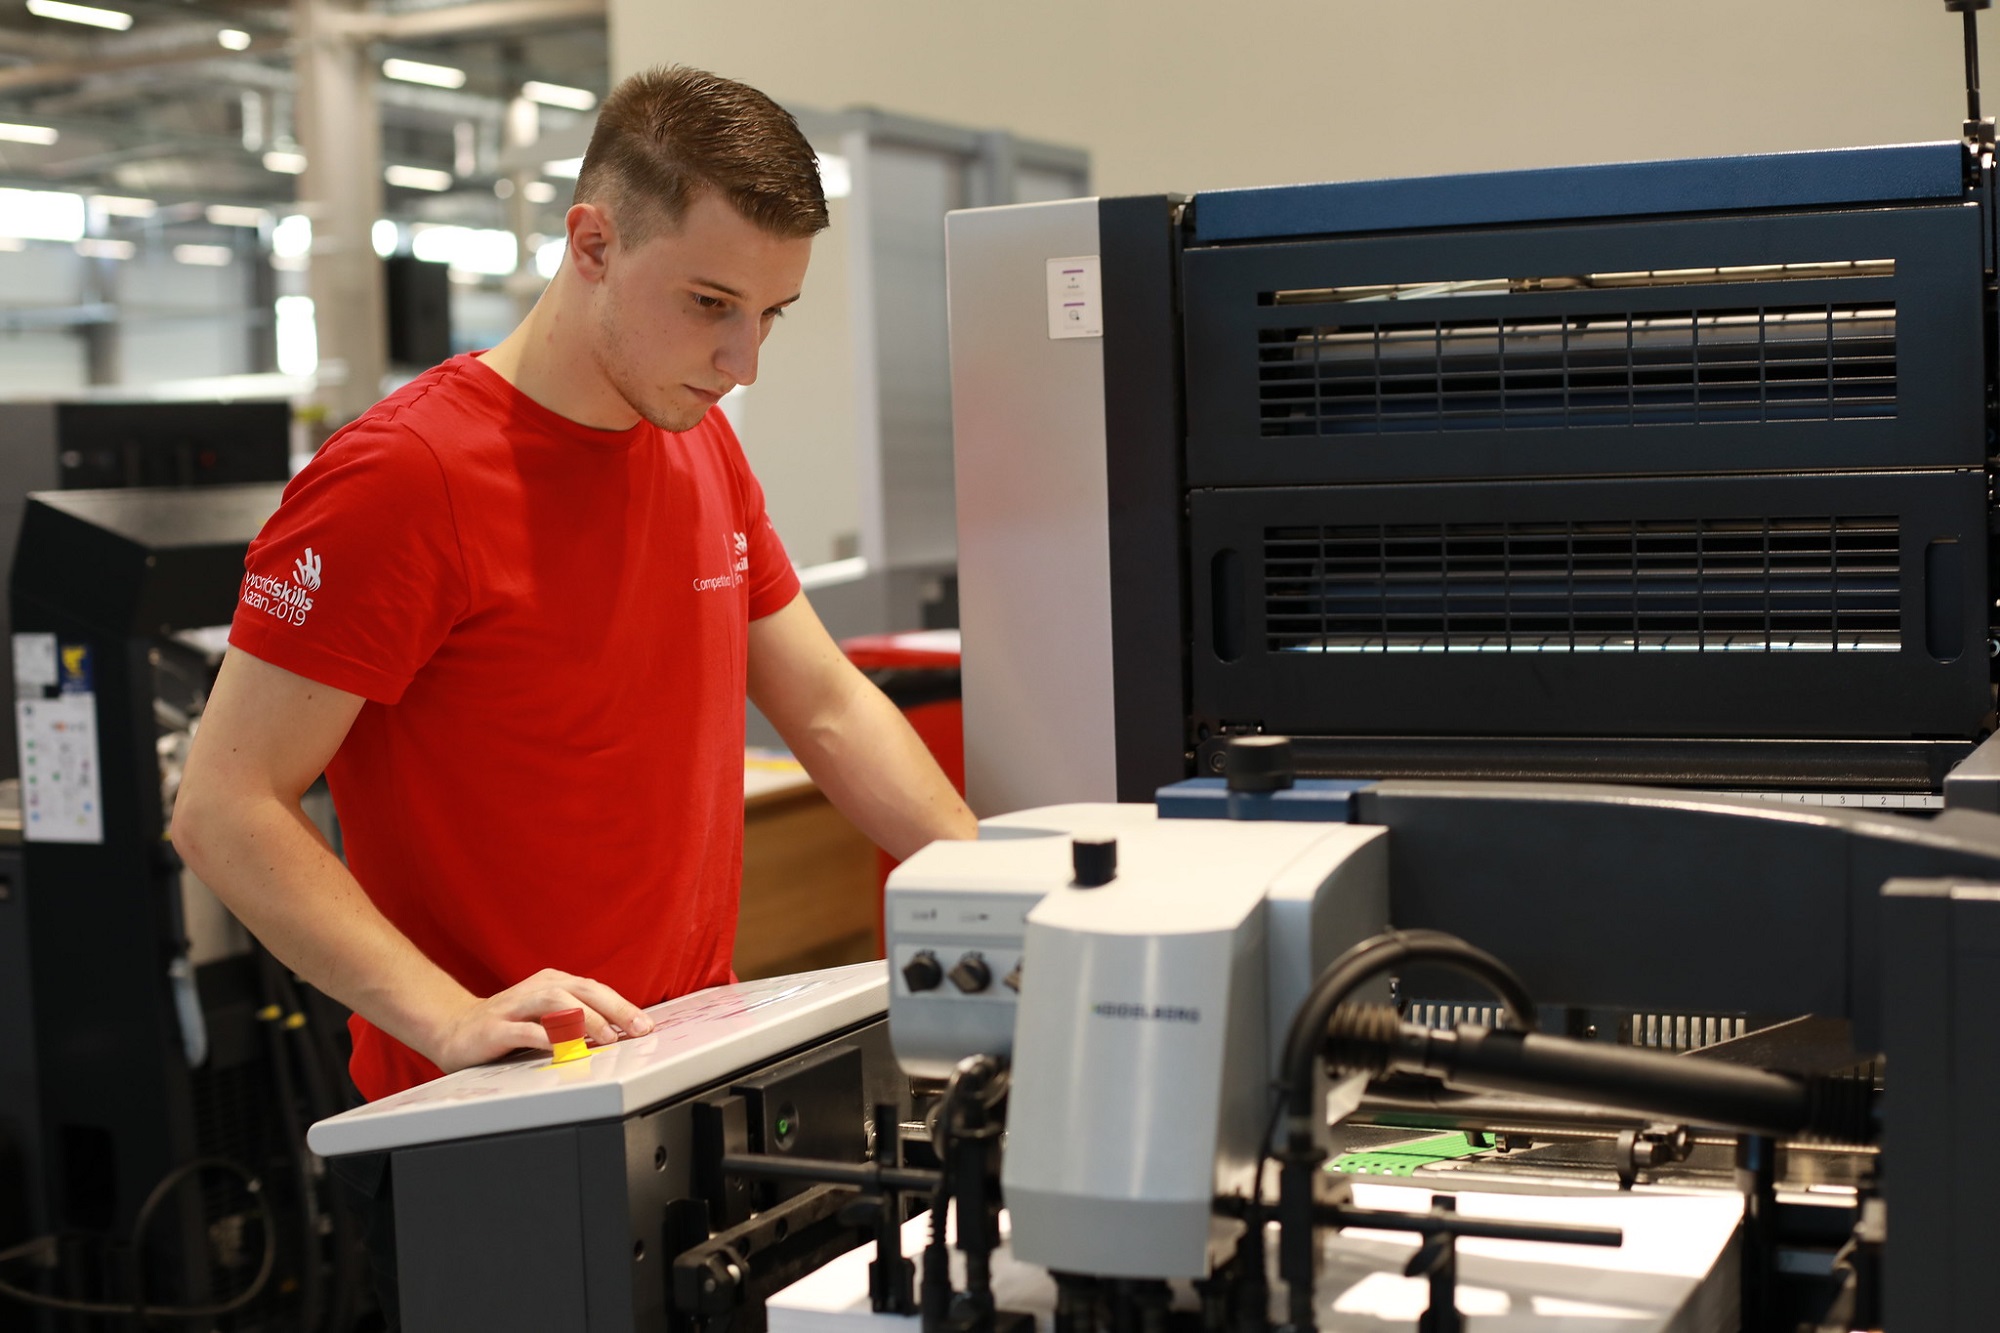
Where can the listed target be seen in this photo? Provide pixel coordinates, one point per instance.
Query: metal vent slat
(1826, 362)
(1654, 585)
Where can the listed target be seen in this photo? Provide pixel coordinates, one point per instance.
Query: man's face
(679, 317)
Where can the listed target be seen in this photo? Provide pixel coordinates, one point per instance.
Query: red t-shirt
(550, 626)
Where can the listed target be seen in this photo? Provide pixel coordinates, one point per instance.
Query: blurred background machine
(87, 445)
(166, 1060)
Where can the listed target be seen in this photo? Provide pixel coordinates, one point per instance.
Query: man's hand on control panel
(488, 1029)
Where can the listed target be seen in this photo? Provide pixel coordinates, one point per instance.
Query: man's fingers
(629, 1017)
(521, 1036)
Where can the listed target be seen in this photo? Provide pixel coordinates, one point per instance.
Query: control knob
(923, 972)
(971, 974)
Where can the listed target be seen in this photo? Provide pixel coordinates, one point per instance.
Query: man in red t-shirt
(513, 612)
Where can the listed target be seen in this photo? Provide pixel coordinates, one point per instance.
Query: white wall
(1179, 95)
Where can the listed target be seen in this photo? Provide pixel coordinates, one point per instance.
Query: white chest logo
(737, 552)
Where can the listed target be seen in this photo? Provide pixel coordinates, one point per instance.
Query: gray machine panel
(1034, 550)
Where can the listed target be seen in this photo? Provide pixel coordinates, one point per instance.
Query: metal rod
(1383, 1219)
(862, 1175)
(1972, 65)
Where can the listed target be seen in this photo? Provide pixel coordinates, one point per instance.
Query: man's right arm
(264, 737)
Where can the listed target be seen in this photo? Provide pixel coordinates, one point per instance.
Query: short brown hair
(669, 133)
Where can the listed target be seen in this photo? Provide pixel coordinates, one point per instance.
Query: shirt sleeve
(358, 577)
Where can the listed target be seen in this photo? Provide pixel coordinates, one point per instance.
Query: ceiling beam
(480, 16)
(56, 72)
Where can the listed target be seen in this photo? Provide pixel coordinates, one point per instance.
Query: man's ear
(590, 236)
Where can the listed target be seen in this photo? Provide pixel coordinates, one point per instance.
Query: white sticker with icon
(1076, 299)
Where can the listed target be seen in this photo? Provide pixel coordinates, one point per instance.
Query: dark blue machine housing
(1660, 472)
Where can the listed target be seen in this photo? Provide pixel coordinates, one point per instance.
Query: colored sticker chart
(61, 794)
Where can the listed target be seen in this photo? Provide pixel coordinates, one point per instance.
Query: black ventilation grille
(1825, 362)
(1655, 585)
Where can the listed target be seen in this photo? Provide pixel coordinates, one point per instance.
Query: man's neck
(545, 359)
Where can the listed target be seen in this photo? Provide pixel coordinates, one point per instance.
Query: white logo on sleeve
(288, 601)
(737, 552)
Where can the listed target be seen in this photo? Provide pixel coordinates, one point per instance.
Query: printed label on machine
(61, 796)
(1076, 305)
(34, 664)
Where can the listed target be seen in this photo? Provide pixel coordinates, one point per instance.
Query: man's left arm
(856, 745)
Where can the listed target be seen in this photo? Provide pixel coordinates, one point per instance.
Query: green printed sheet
(1400, 1159)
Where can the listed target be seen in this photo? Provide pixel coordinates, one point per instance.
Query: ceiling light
(284, 163)
(385, 236)
(417, 178)
(204, 256)
(555, 94)
(96, 247)
(233, 39)
(41, 215)
(122, 206)
(293, 236)
(12, 244)
(568, 168)
(539, 192)
(416, 71)
(41, 134)
(468, 249)
(90, 14)
(235, 215)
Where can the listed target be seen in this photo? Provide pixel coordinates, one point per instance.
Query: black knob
(1259, 763)
(971, 974)
(922, 972)
(1095, 861)
(1012, 981)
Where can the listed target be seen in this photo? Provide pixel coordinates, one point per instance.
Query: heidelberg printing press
(1484, 491)
(1121, 1066)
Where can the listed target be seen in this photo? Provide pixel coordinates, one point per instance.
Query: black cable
(1368, 960)
(1304, 1042)
(137, 1306)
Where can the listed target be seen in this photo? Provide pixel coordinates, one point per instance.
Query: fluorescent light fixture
(235, 215)
(233, 39)
(41, 215)
(122, 206)
(41, 134)
(298, 336)
(555, 94)
(539, 192)
(549, 254)
(12, 245)
(284, 163)
(385, 236)
(417, 178)
(292, 238)
(96, 247)
(568, 168)
(113, 19)
(416, 71)
(467, 249)
(204, 256)
(835, 180)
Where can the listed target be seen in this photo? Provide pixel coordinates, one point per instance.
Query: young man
(512, 613)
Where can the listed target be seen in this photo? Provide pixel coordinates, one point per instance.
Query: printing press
(1479, 687)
